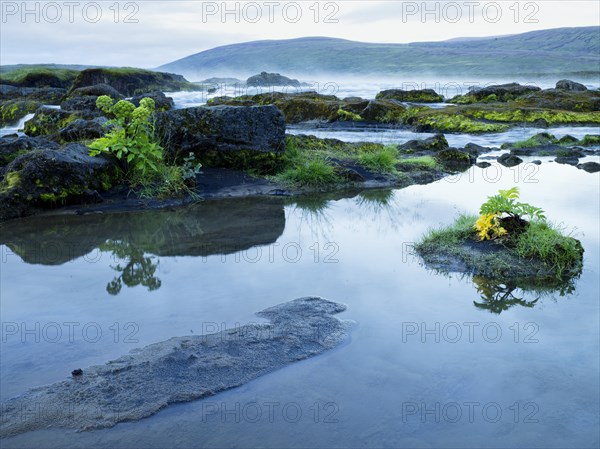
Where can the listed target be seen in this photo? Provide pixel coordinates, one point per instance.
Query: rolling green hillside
(555, 52)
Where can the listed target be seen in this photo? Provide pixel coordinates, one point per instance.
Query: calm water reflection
(424, 348)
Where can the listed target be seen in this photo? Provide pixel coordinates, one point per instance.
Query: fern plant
(501, 206)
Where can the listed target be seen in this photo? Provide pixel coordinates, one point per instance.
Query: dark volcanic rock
(96, 91)
(45, 95)
(271, 79)
(416, 96)
(47, 178)
(221, 129)
(81, 103)
(80, 129)
(499, 92)
(509, 160)
(425, 146)
(181, 369)
(130, 82)
(567, 160)
(570, 85)
(161, 101)
(12, 147)
(590, 167)
(383, 111)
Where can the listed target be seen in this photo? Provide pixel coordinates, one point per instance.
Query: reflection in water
(139, 269)
(499, 296)
(312, 212)
(135, 239)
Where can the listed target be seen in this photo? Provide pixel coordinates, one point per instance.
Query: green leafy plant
(504, 208)
(130, 138)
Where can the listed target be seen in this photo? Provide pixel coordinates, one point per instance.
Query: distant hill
(555, 52)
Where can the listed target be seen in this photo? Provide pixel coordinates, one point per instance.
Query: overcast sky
(151, 33)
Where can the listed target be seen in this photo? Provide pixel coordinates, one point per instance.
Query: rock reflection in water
(136, 240)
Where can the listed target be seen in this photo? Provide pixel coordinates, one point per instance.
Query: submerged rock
(181, 369)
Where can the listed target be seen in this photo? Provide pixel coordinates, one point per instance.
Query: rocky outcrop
(570, 85)
(499, 92)
(130, 81)
(271, 79)
(416, 96)
(45, 95)
(12, 147)
(47, 178)
(311, 106)
(206, 130)
(11, 111)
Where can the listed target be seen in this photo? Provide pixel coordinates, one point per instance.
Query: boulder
(203, 130)
(570, 85)
(425, 147)
(161, 101)
(80, 129)
(416, 96)
(499, 92)
(96, 91)
(383, 111)
(590, 167)
(509, 160)
(271, 79)
(14, 146)
(567, 160)
(48, 178)
(85, 103)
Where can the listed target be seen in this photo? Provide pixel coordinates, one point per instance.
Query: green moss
(348, 116)
(588, 139)
(12, 179)
(247, 160)
(12, 111)
(535, 141)
(449, 122)
(48, 121)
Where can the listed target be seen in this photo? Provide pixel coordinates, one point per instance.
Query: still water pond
(432, 360)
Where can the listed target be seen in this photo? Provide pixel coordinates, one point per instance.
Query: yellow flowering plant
(501, 207)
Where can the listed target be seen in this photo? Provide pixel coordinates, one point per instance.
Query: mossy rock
(495, 93)
(13, 147)
(48, 121)
(131, 81)
(11, 111)
(415, 96)
(50, 178)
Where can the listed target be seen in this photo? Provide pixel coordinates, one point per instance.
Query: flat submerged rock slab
(180, 369)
